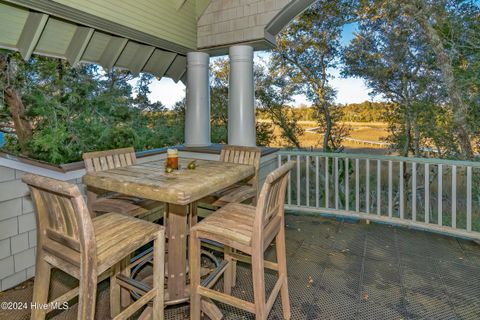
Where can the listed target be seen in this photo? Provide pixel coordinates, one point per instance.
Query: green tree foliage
(307, 49)
(432, 47)
(366, 111)
(219, 100)
(431, 16)
(394, 61)
(273, 92)
(264, 134)
(73, 110)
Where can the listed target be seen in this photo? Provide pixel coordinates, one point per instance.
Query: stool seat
(239, 193)
(116, 234)
(125, 205)
(232, 223)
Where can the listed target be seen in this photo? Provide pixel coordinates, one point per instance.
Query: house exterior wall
(17, 244)
(254, 22)
(18, 238)
(226, 22)
(17, 218)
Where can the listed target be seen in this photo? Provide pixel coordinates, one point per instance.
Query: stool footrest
(227, 299)
(131, 309)
(215, 275)
(248, 259)
(132, 284)
(274, 294)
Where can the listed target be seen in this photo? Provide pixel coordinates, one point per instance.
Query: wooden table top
(150, 181)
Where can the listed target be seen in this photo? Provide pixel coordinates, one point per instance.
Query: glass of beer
(172, 158)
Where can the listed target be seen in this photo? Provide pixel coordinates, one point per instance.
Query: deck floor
(347, 270)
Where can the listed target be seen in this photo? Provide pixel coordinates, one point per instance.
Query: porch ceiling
(34, 32)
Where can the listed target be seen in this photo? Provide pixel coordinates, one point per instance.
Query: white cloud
(167, 91)
(300, 99)
(350, 90)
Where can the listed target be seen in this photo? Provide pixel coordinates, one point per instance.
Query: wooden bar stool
(88, 249)
(132, 206)
(250, 230)
(242, 191)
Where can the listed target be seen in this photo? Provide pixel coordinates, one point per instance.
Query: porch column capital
(241, 97)
(197, 110)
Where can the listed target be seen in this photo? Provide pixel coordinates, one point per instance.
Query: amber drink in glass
(172, 158)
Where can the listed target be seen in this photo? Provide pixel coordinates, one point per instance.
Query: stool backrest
(64, 226)
(270, 205)
(243, 155)
(109, 159)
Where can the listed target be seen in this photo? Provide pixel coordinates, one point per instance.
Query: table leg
(177, 250)
(177, 229)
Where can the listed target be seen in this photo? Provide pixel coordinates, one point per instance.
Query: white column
(197, 110)
(241, 97)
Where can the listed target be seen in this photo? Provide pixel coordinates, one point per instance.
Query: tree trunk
(460, 109)
(280, 120)
(23, 127)
(416, 139)
(408, 134)
(328, 129)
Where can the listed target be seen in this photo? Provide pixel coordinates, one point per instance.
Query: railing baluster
(396, 202)
(414, 191)
(454, 196)
(469, 198)
(298, 181)
(427, 193)
(390, 189)
(402, 203)
(326, 183)
(440, 195)
(367, 186)
(289, 196)
(357, 185)
(307, 180)
(347, 187)
(317, 191)
(379, 187)
(336, 183)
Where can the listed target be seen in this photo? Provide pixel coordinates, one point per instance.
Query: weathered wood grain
(69, 239)
(179, 190)
(251, 230)
(111, 159)
(149, 180)
(240, 192)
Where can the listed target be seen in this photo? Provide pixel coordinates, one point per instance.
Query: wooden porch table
(180, 190)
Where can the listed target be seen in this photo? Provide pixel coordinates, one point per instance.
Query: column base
(197, 145)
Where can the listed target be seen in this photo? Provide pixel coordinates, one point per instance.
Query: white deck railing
(433, 194)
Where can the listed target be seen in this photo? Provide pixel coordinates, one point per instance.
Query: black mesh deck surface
(345, 270)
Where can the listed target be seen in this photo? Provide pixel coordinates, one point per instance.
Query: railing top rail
(434, 161)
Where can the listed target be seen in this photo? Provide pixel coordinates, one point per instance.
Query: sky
(349, 90)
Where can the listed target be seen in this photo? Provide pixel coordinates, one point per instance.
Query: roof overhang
(48, 28)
